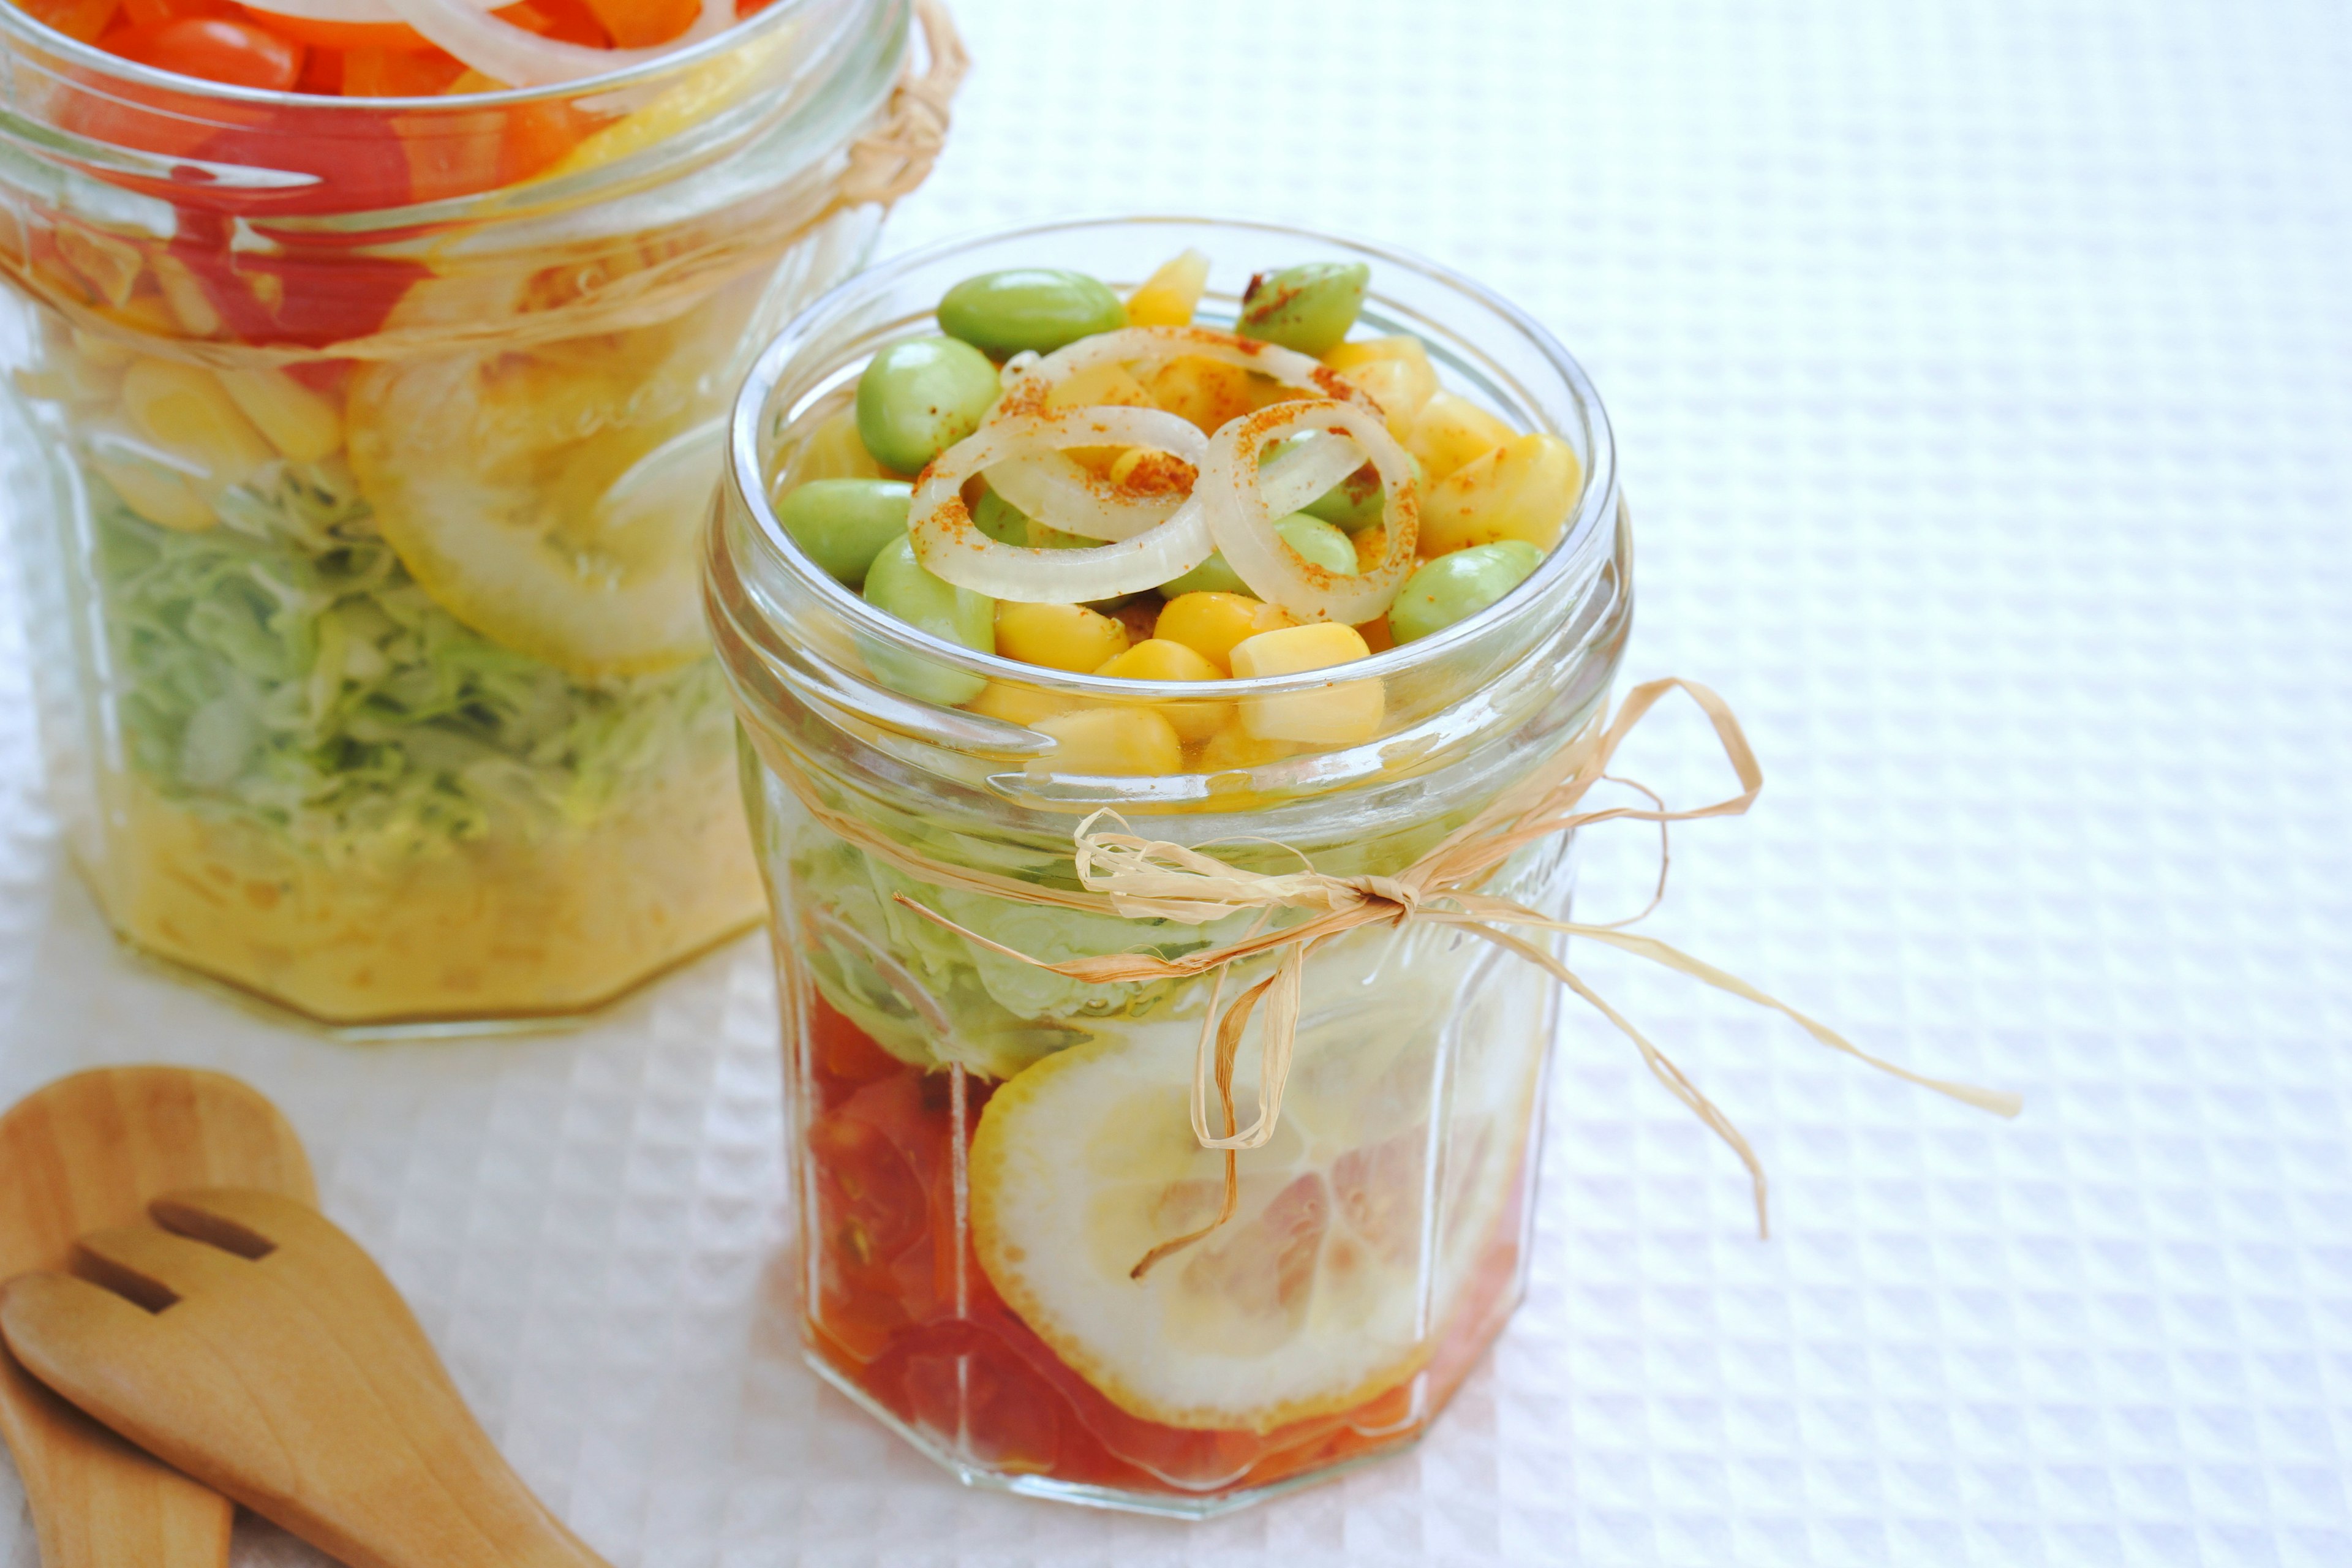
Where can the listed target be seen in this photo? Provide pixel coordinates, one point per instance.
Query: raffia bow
(1152, 878)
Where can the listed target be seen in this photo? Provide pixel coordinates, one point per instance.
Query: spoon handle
(97, 1501)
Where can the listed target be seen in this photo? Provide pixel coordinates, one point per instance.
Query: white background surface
(1982, 375)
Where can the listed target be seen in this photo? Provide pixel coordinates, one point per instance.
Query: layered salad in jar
(382, 438)
(1016, 1247)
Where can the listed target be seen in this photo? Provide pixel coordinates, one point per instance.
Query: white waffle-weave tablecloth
(1982, 376)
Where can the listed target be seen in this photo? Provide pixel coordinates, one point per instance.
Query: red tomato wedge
(635, 23)
(215, 49)
(82, 19)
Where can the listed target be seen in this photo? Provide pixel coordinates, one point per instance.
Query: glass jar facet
(369, 442)
(984, 1152)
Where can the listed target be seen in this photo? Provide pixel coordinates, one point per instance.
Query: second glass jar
(982, 1150)
(363, 446)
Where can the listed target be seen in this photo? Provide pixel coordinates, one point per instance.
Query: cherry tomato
(843, 1052)
(634, 23)
(309, 298)
(871, 1206)
(958, 1381)
(83, 19)
(324, 34)
(397, 73)
(323, 74)
(215, 49)
(140, 12)
(567, 21)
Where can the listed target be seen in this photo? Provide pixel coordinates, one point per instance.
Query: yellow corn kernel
(1113, 741)
(1234, 747)
(156, 494)
(1210, 392)
(146, 314)
(1159, 659)
(1211, 624)
(108, 265)
(102, 353)
(302, 424)
(833, 451)
(187, 413)
(1343, 711)
(1148, 471)
(1450, 431)
(1170, 296)
(1525, 488)
(1396, 372)
(193, 310)
(1098, 384)
(1022, 705)
(1059, 636)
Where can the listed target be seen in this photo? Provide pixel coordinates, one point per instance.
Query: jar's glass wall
(979, 1164)
(984, 1152)
(360, 514)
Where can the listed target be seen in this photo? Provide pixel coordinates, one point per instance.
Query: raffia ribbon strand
(1152, 878)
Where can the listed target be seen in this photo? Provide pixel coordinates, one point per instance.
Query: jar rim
(1567, 569)
(20, 27)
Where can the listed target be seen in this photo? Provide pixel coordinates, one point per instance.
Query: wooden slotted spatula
(86, 1154)
(255, 1346)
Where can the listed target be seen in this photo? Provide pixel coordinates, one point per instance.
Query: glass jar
(362, 449)
(981, 1150)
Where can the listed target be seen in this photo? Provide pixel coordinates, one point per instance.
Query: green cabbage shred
(283, 670)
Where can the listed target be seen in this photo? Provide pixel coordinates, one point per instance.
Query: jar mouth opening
(20, 26)
(1570, 568)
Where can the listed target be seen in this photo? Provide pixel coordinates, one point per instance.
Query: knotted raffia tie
(1150, 878)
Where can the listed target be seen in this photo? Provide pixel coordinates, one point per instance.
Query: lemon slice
(1333, 1283)
(549, 500)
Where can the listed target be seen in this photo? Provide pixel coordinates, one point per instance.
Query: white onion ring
(1046, 483)
(1240, 516)
(1057, 491)
(365, 13)
(951, 546)
(506, 53)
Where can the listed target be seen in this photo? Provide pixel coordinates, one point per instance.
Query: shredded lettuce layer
(283, 670)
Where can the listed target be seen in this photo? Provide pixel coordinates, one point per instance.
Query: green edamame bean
(999, 519)
(1319, 542)
(897, 584)
(920, 397)
(844, 523)
(1309, 307)
(1211, 576)
(1008, 524)
(1358, 501)
(1039, 308)
(1459, 584)
(1313, 539)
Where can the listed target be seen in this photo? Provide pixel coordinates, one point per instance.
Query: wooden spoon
(85, 1153)
(254, 1345)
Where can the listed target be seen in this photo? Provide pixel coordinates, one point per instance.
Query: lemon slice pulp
(551, 500)
(1342, 1265)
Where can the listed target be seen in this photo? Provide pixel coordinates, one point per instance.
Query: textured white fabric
(1982, 377)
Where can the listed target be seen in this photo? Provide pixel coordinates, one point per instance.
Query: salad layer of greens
(933, 998)
(283, 670)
